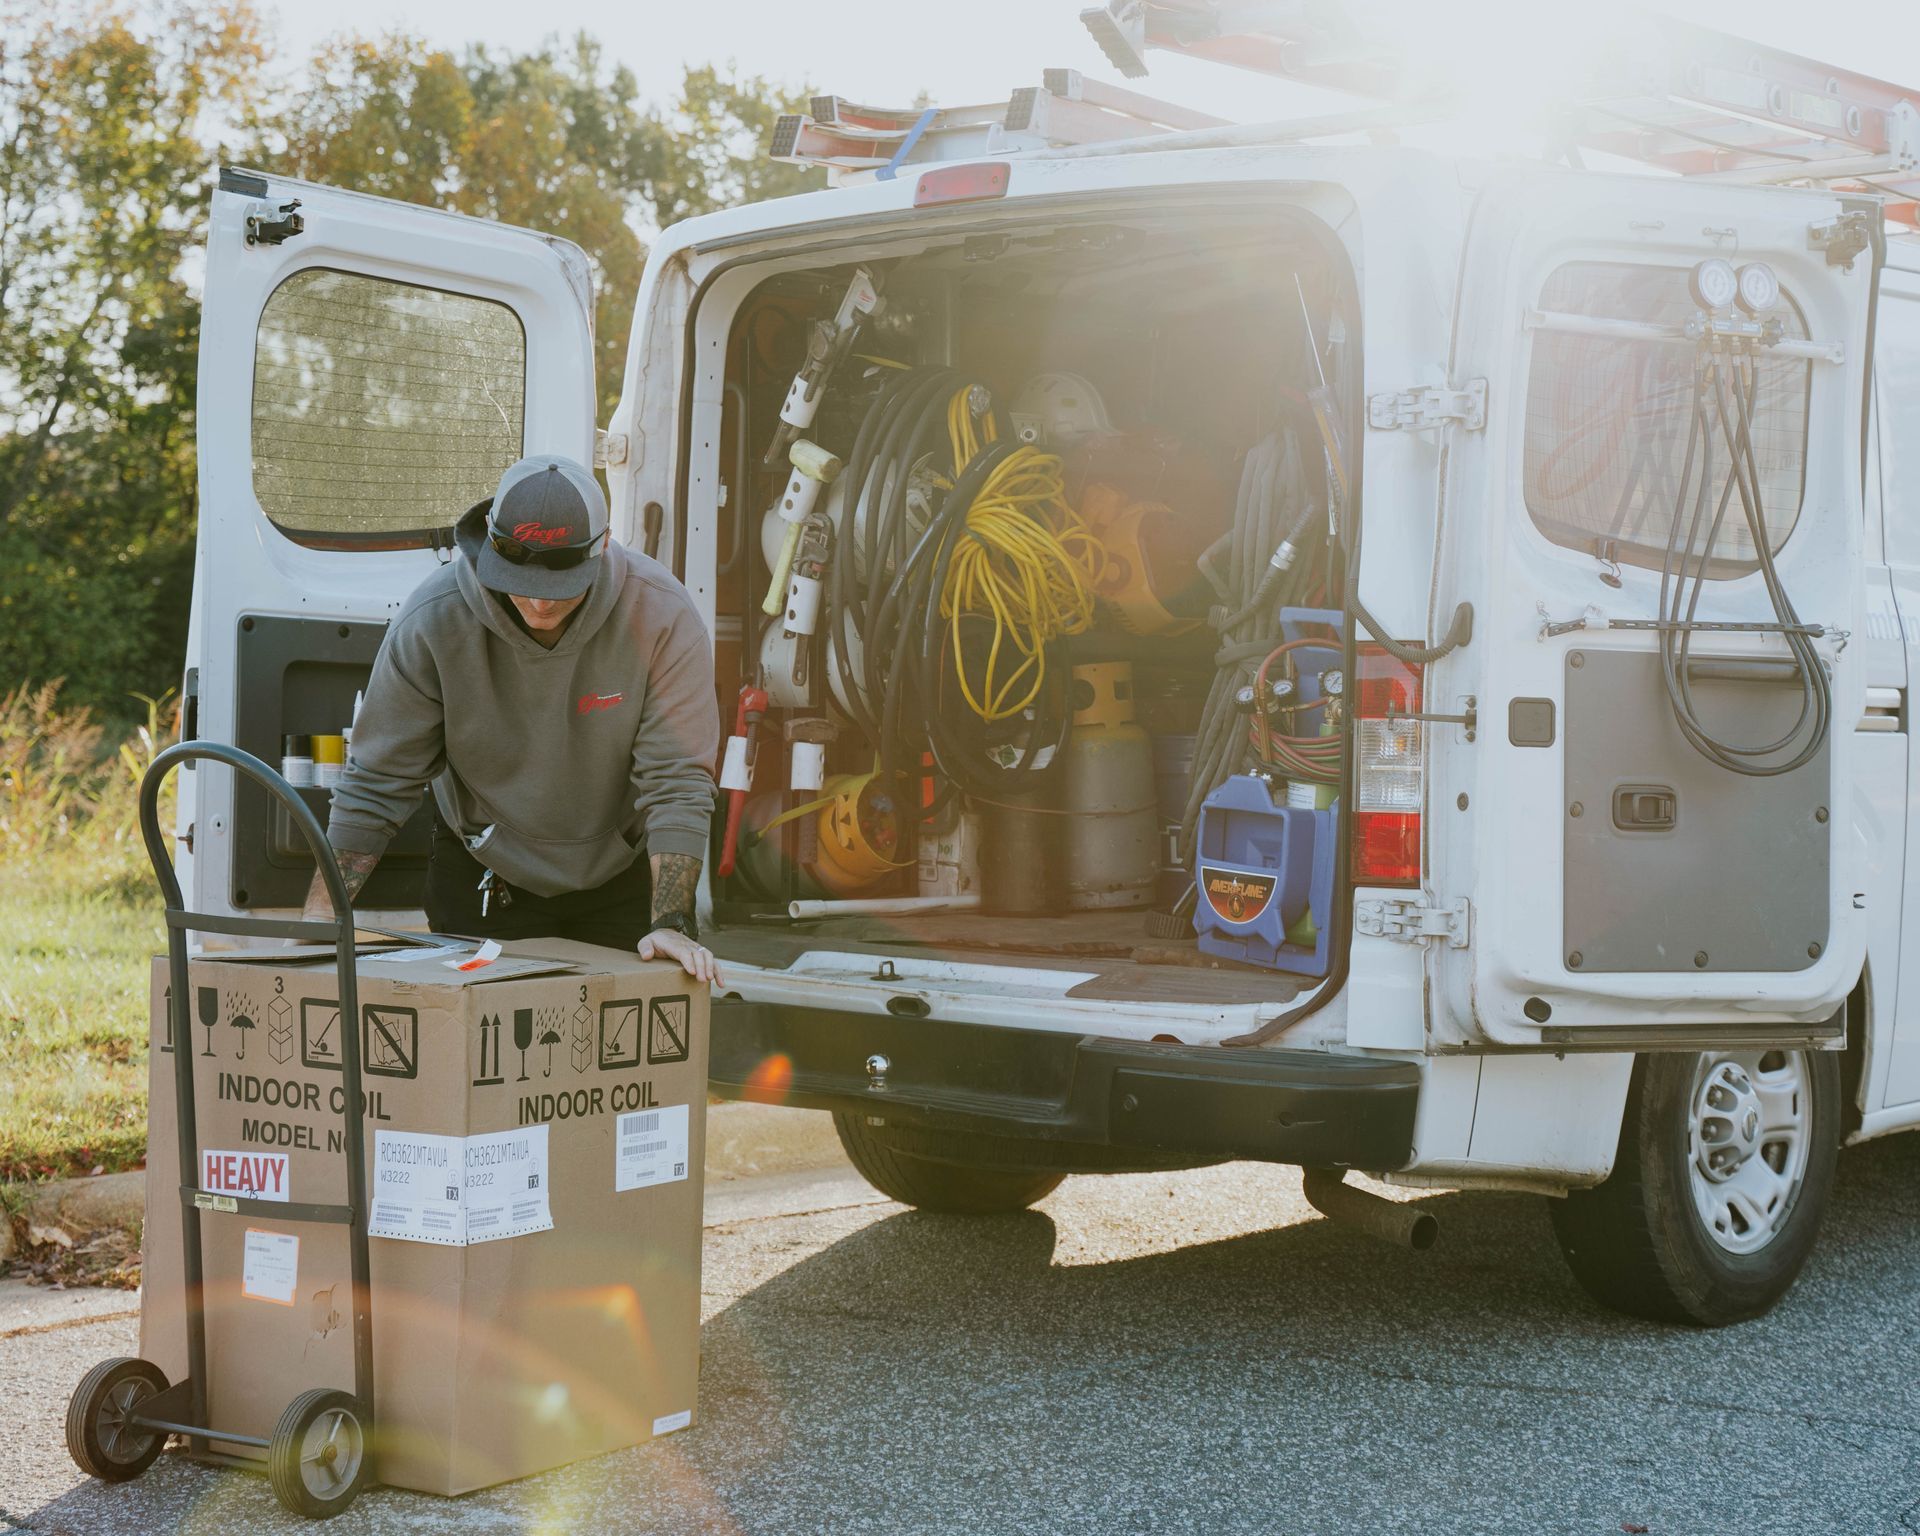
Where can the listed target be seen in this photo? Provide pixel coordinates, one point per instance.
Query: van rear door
(1626, 889)
(367, 370)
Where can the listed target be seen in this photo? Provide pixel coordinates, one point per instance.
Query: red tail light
(961, 184)
(1390, 760)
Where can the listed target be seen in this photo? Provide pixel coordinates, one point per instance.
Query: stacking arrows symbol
(489, 1052)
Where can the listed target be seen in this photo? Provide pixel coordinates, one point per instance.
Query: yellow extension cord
(1028, 563)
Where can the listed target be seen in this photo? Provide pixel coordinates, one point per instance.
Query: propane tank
(1110, 848)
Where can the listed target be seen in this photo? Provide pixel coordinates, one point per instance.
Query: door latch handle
(1645, 808)
(264, 230)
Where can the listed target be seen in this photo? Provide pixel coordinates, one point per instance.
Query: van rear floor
(1121, 961)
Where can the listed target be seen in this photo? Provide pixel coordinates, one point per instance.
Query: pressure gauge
(1759, 288)
(1715, 284)
(1333, 682)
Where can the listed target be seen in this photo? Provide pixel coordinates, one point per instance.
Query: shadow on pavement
(929, 1373)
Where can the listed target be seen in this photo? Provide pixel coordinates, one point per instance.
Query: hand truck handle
(303, 818)
(180, 922)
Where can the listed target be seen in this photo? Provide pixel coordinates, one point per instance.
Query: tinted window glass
(1608, 421)
(381, 411)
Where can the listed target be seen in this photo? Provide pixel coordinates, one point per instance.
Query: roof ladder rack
(856, 142)
(1674, 96)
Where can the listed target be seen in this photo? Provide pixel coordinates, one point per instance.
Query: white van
(1573, 944)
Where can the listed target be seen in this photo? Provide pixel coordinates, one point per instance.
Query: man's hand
(694, 957)
(354, 870)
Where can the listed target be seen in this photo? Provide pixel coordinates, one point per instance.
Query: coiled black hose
(884, 635)
(1681, 585)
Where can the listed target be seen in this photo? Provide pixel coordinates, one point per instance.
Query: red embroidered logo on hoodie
(589, 702)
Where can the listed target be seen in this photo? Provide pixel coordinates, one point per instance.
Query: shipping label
(416, 1193)
(506, 1189)
(460, 1190)
(650, 1147)
(270, 1266)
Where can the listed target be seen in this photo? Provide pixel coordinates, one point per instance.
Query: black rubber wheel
(938, 1185)
(1725, 1166)
(317, 1459)
(99, 1439)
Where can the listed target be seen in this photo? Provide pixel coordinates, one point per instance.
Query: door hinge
(1413, 922)
(609, 448)
(265, 229)
(1842, 239)
(1418, 410)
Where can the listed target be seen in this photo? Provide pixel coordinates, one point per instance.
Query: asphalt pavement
(1193, 1352)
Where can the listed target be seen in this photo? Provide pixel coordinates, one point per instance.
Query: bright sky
(884, 51)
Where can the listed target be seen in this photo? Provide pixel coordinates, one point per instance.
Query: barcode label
(651, 1148)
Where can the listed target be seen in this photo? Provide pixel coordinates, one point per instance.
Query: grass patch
(79, 923)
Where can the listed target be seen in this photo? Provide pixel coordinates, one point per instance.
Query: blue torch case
(1259, 867)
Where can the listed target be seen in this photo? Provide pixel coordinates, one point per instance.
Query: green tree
(104, 135)
(709, 149)
(112, 120)
(556, 140)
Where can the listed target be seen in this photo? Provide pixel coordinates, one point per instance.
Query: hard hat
(1056, 409)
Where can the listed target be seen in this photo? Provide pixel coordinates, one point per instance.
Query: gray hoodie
(557, 767)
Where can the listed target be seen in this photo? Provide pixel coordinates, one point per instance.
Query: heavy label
(251, 1175)
(1236, 895)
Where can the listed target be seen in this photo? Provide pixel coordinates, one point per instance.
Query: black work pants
(618, 914)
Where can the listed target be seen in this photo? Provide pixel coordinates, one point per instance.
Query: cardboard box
(534, 1137)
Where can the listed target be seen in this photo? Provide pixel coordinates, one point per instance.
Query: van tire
(1640, 1244)
(929, 1185)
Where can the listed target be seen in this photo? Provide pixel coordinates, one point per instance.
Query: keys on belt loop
(491, 885)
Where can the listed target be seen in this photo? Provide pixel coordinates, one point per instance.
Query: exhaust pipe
(1405, 1226)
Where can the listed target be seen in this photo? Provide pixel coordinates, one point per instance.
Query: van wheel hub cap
(1747, 1140)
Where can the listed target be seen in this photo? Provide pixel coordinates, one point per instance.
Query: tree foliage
(557, 140)
(112, 122)
(103, 183)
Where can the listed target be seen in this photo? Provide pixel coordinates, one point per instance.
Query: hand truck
(319, 1455)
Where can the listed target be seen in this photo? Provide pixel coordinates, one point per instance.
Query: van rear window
(381, 410)
(1608, 420)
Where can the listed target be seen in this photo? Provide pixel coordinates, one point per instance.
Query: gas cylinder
(1110, 849)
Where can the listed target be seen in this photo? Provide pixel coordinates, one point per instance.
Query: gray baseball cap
(545, 531)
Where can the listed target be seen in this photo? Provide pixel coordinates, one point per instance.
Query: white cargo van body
(1589, 894)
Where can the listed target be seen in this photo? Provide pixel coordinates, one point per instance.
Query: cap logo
(534, 533)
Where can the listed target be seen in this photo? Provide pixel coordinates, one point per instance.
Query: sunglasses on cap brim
(515, 553)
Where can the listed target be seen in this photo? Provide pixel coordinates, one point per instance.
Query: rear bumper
(1059, 1093)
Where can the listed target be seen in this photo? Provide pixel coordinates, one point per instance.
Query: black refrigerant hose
(893, 689)
(1677, 616)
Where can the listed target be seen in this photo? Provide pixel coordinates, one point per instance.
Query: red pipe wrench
(736, 771)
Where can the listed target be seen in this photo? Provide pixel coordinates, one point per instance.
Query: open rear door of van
(1629, 888)
(367, 370)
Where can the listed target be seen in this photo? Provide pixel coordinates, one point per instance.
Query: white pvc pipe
(882, 906)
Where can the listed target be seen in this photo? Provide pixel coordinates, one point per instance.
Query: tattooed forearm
(675, 878)
(354, 871)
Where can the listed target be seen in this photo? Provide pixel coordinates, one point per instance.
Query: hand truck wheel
(317, 1459)
(101, 1438)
